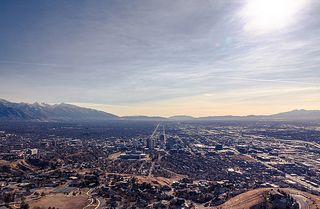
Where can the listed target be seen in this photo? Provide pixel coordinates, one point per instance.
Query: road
(141, 166)
(155, 130)
(88, 193)
(305, 184)
(301, 200)
(153, 164)
(98, 205)
(102, 203)
(164, 136)
(288, 176)
(152, 135)
(151, 168)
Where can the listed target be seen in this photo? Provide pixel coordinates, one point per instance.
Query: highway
(288, 176)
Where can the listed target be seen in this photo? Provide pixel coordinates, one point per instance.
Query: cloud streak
(152, 52)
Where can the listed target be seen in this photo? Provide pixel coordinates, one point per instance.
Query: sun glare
(263, 16)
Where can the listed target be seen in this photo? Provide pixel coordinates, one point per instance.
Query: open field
(61, 201)
(4, 162)
(256, 196)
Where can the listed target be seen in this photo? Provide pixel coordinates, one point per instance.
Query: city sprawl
(149, 164)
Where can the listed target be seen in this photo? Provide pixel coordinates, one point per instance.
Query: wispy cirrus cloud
(152, 52)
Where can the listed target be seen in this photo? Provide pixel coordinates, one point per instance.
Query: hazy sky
(131, 57)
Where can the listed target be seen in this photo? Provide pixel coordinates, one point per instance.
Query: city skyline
(161, 57)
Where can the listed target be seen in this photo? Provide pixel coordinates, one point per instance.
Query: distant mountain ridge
(182, 117)
(46, 112)
(68, 112)
(142, 117)
(298, 115)
(294, 115)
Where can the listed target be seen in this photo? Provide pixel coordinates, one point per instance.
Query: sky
(164, 57)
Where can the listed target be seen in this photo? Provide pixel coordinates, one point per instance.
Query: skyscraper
(150, 143)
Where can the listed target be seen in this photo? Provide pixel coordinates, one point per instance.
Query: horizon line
(168, 117)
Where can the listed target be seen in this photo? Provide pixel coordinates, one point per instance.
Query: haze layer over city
(160, 104)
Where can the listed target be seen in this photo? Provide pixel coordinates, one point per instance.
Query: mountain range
(46, 112)
(67, 112)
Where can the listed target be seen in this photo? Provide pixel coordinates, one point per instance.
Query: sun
(263, 16)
